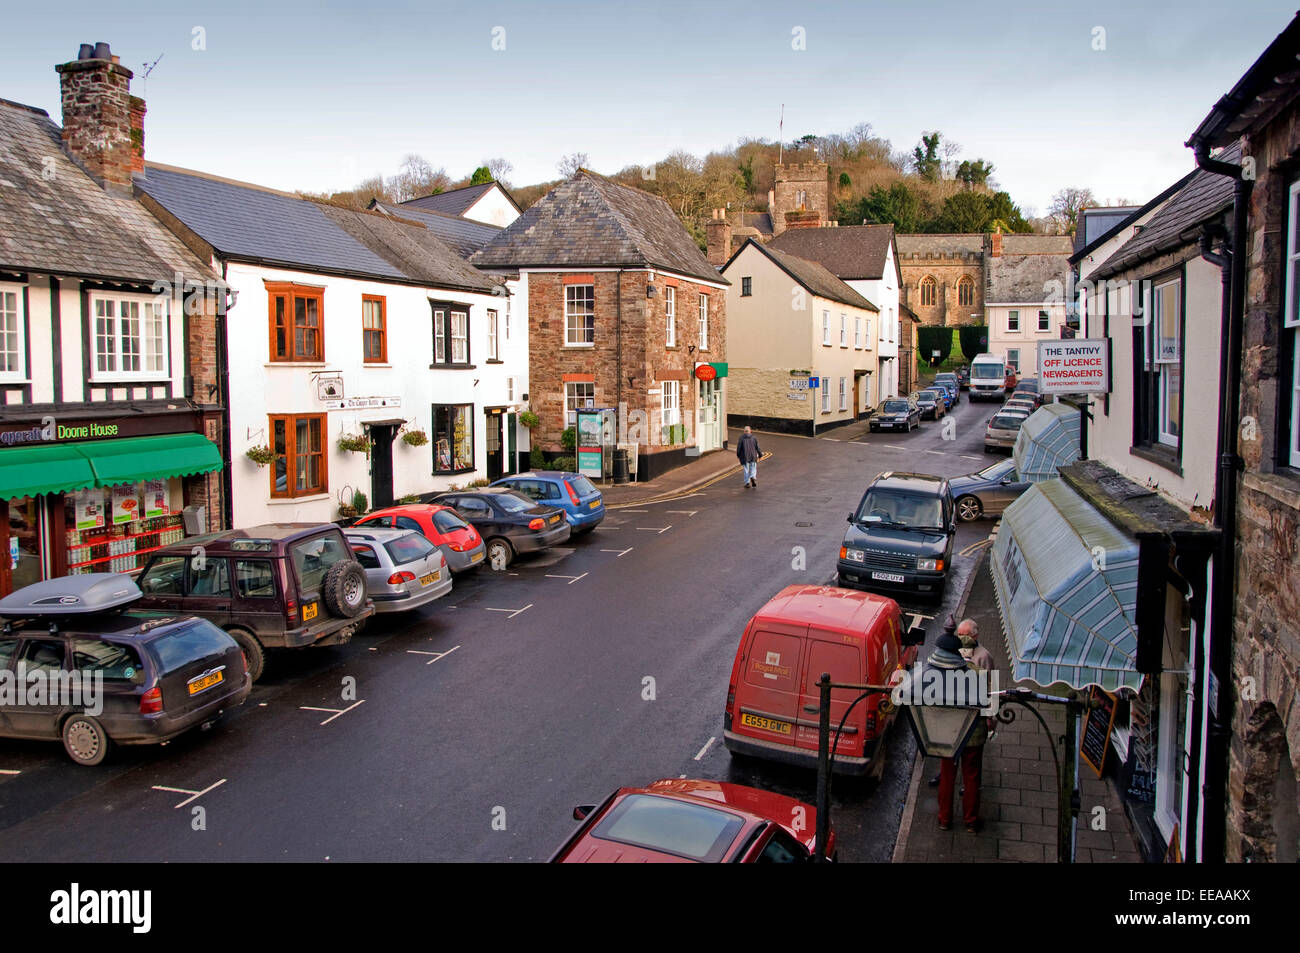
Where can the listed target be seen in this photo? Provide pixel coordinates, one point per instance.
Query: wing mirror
(582, 810)
(915, 636)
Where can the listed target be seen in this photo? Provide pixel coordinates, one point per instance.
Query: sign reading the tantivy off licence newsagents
(1074, 367)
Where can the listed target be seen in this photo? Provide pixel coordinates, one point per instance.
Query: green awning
(45, 468)
(149, 458)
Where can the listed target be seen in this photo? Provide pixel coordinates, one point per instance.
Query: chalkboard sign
(1096, 729)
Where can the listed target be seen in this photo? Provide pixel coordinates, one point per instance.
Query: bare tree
(416, 178)
(571, 163)
(679, 181)
(500, 170)
(1064, 210)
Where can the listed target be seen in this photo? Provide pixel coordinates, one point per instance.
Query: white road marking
(656, 529)
(572, 579)
(621, 552)
(832, 439)
(337, 711)
(967, 456)
(513, 612)
(707, 745)
(940, 453)
(436, 655)
(9, 771)
(193, 794)
(687, 512)
(916, 618)
(636, 511)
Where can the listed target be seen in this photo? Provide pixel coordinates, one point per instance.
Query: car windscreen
(988, 371)
(445, 521)
(901, 509)
(1006, 422)
(184, 646)
(894, 407)
(582, 486)
(513, 504)
(675, 827)
(407, 549)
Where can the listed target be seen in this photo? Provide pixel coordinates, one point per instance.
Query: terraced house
(624, 313)
(111, 391)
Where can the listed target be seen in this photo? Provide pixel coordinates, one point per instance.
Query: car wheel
(345, 589)
(254, 654)
(500, 554)
(85, 740)
(969, 508)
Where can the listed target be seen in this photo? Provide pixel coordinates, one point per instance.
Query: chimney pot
(102, 52)
(87, 52)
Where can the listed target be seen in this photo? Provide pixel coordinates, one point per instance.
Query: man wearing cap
(947, 655)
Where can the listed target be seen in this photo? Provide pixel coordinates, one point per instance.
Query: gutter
(1213, 829)
(223, 381)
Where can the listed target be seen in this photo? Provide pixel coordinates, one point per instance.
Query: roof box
(71, 595)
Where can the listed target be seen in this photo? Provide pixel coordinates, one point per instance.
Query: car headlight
(929, 565)
(852, 555)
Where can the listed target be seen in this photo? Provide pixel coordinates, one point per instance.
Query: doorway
(381, 464)
(495, 417)
(708, 430)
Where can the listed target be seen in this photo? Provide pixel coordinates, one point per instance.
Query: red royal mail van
(773, 699)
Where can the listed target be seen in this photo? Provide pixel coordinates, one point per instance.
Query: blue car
(583, 504)
(952, 384)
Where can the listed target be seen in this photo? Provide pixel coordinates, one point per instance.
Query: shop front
(81, 496)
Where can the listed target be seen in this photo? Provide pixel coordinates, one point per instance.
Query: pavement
(1018, 796)
(706, 470)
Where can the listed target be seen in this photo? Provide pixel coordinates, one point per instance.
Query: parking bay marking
(337, 711)
(436, 655)
(193, 795)
(656, 529)
(621, 552)
(9, 771)
(707, 745)
(572, 579)
(686, 512)
(513, 612)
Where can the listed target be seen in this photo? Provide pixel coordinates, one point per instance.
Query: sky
(317, 96)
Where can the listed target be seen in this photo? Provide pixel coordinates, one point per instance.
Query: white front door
(708, 423)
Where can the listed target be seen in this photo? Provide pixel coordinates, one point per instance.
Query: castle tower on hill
(801, 196)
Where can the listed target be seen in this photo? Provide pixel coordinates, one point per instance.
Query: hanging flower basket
(415, 438)
(354, 443)
(529, 419)
(347, 510)
(262, 455)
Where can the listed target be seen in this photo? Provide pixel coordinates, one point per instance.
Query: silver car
(1003, 429)
(403, 569)
(988, 492)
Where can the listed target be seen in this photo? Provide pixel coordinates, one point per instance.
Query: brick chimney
(137, 134)
(718, 232)
(98, 114)
(995, 244)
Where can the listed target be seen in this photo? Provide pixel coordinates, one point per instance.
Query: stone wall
(97, 118)
(763, 392)
(946, 270)
(794, 177)
(1266, 651)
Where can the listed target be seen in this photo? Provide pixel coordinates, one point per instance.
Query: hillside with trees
(931, 188)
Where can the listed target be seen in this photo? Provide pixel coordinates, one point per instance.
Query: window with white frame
(670, 316)
(578, 395)
(11, 332)
(579, 315)
(1013, 320)
(704, 322)
(1157, 405)
(494, 352)
(893, 326)
(844, 393)
(844, 329)
(1044, 321)
(510, 390)
(867, 330)
(460, 337)
(1013, 359)
(1291, 323)
(130, 337)
(672, 403)
(826, 328)
(826, 395)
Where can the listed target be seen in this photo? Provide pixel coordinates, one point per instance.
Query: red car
(683, 821)
(460, 543)
(1009, 383)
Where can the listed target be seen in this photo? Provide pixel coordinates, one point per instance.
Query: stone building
(1260, 693)
(624, 313)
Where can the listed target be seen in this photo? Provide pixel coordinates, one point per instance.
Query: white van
(988, 377)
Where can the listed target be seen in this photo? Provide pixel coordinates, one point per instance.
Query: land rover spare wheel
(345, 589)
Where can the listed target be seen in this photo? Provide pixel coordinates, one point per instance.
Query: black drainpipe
(223, 376)
(618, 357)
(1214, 836)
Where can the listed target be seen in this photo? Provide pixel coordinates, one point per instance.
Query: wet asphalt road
(480, 721)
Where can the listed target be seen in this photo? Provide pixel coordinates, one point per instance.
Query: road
(469, 730)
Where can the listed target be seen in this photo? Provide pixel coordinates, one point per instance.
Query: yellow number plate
(206, 681)
(593, 504)
(309, 612)
(555, 519)
(767, 724)
(431, 577)
(476, 557)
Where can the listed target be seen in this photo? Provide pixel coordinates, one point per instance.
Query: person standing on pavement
(748, 452)
(977, 655)
(947, 655)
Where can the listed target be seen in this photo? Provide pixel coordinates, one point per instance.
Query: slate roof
(1024, 243)
(1205, 196)
(761, 221)
(1263, 92)
(932, 245)
(1095, 222)
(1015, 279)
(463, 234)
(250, 223)
(851, 252)
(457, 201)
(809, 274)
(589, 221)
(62, 222)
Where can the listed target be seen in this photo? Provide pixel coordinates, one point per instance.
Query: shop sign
(55, 430)
(362, 403)
(50, 431)
(126, 505)
(590, 460)
(706, 372)
(1081, 366)
(155, 498)
(90, 508)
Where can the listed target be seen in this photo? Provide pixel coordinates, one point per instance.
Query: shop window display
(113, 529)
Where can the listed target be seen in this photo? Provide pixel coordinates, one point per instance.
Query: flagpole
(780, 142)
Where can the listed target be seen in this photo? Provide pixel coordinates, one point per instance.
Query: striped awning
(1066, 585)
(1048, 439)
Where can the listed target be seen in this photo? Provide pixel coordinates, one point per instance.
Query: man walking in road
(747, 452)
